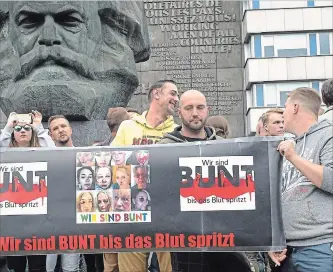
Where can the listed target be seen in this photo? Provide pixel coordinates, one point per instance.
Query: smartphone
(24, 118)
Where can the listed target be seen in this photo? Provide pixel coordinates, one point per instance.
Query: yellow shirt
(138, 132)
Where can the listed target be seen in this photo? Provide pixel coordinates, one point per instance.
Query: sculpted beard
(80, 64)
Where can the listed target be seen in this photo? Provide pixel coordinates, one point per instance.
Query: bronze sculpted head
(72, 58)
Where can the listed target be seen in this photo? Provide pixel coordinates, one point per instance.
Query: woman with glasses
(17, 134)
(23, 134)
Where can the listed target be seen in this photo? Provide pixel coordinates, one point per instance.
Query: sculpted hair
(307, 98)
(266, 115)
(159, 84)
(4, 16)
(327, 92)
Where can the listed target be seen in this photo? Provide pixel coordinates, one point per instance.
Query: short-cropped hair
(266, 115)
(55, 117)
(115, 117)
(159, 84)
(307, 98)
(327, 92)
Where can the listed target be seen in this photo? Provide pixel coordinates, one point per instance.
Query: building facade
(287, 44)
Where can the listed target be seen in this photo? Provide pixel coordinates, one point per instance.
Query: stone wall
(197, 44)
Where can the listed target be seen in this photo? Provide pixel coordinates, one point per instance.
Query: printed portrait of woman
(85, 178)
(85, 159)
(140, 176)
(103, 178)
(85, 202)
(120, 157)
(103, 158)
(103, 201)
(121, 200)
(140, 200)
(121, 177)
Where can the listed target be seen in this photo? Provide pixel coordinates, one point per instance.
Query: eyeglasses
(18, 128)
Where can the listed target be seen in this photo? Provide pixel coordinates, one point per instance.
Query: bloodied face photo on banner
(110, 189)
(29, 181)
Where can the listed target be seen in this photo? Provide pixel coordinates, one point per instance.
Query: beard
(64, 141)
(57, 80)
(194, 127)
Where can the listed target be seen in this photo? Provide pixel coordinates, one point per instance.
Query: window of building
(324, 41)
(268, 51)
(315, 85)
(310, 3)
(293, 45)
(313, 44)
(257, 46)
(276, 94)
(259, 95)
(322, 3)
(271, 4)
(283, 97)
(255, 4)
(270, 95)
(268, 46)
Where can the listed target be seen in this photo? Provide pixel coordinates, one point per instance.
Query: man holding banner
(307, 201)
(193, 112)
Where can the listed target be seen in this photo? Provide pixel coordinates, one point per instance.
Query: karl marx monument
(81, 58)
(72, 58)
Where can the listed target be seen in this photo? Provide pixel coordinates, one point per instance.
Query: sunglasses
(18, 128)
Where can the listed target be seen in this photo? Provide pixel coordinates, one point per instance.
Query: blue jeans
(70, 262)
(309, 259)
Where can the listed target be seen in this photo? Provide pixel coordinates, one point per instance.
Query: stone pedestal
(87, 132)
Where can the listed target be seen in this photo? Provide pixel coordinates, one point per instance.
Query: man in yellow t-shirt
(145, 129)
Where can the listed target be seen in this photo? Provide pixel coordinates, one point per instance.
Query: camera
(24, 118)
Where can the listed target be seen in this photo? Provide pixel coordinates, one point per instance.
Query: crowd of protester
(307, 179)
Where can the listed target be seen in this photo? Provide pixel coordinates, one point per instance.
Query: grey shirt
(307, 209)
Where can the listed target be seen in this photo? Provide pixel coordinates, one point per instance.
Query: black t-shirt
(188, 139)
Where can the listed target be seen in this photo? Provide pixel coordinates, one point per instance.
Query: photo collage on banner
(113, 187)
